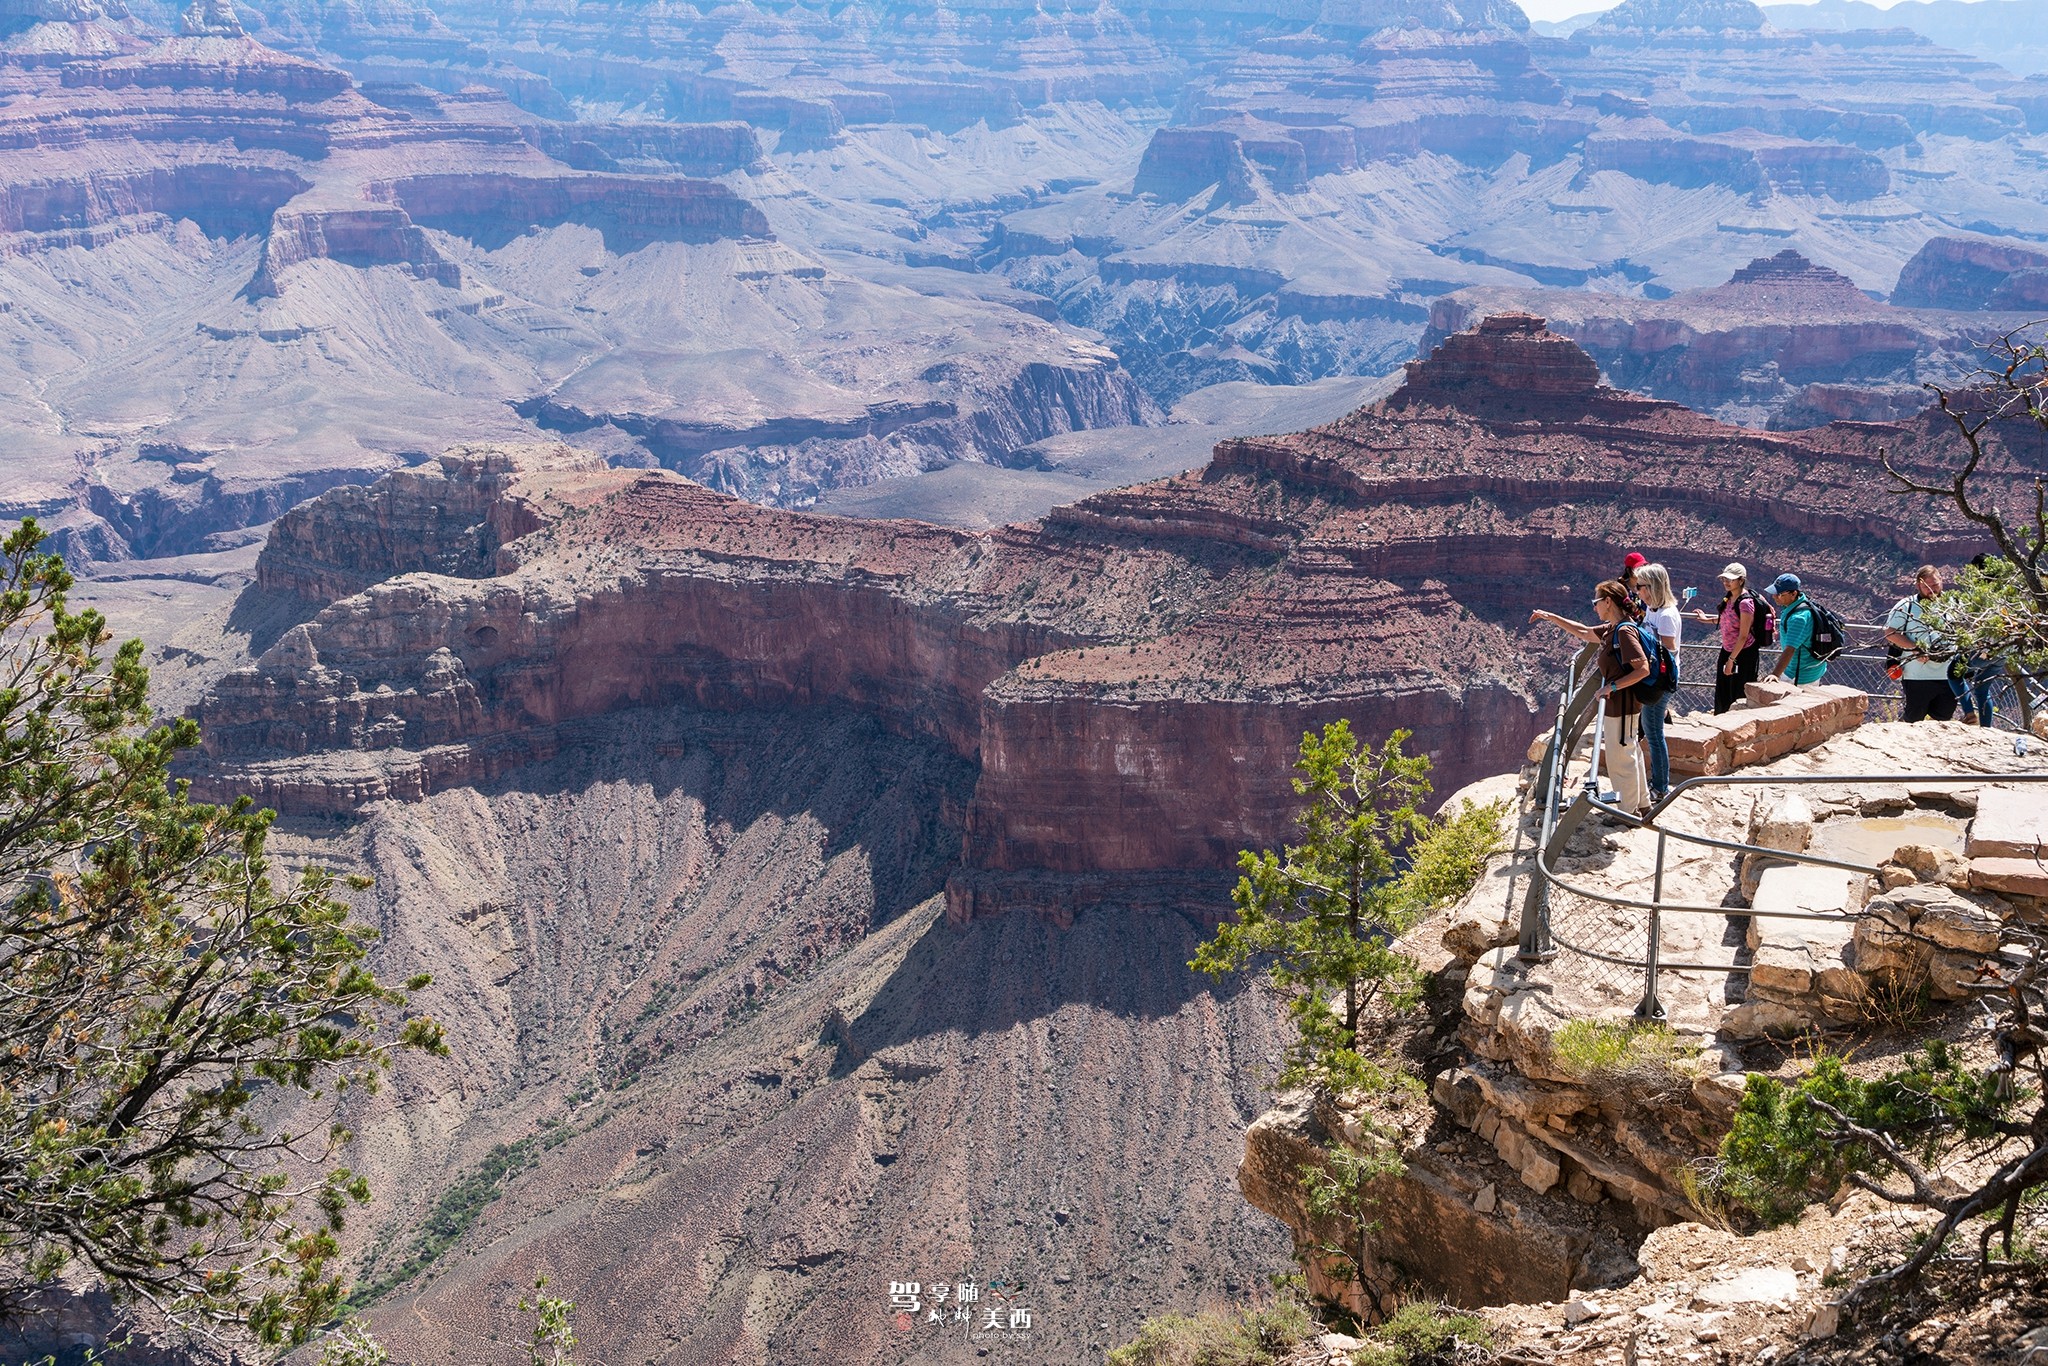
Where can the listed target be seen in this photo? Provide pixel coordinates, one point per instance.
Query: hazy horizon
(1551, 11)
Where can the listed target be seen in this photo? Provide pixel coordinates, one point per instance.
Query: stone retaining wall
(1771, 721)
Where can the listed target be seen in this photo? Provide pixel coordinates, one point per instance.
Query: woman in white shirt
(1660, 613)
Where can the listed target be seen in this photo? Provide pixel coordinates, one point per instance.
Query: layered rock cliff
(1785, 342)
(1969, 272)
(1132, 675)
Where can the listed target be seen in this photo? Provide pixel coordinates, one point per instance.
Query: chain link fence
(1862, 666)
(1604, 947)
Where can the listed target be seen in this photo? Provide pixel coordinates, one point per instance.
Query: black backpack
(1763, 621)
(1830, 632)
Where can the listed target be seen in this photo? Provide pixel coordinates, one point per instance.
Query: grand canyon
(797, 544)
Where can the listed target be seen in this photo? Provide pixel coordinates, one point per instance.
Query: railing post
(1599, 739)
(1650, 1008)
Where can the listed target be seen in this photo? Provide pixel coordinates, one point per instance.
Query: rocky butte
(1784, 342)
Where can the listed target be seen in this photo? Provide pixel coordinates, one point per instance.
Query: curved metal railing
(1579, 707)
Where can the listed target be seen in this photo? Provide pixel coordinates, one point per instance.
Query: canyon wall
(1972, 272)
(630, 211)
(1132, 674)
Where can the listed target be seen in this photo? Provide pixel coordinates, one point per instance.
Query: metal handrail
(1537, 940)
(1581, 688)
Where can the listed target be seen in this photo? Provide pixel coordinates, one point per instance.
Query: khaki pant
(1625, 762)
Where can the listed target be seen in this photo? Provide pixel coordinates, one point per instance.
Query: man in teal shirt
(1795, 633)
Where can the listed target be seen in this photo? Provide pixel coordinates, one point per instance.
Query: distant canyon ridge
(252, 251)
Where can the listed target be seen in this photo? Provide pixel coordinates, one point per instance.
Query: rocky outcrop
(1785, 343)
(631, 211)
(1751, 163)
(450, 518)
(696, 149)
(1179, 162)
(1974, 273)
(211, 19)
(1442, 1228)
(1707, 16)
(211, 61)
(1507, 353)
(225, 198)
(1544, 1166)
(355, 237)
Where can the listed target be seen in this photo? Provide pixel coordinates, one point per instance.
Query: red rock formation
(1781, 332)
(1133, 674)
(1973, 272)
(1506, 352)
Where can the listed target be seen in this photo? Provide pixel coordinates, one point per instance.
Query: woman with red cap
(1627, 579)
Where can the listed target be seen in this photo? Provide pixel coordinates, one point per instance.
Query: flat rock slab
(2013, 876)
(1791, 888)
(1757, 1285)
(2011, 823)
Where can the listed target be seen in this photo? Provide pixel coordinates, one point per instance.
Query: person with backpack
(1808, 633)
(1925, 655)
(1623, 664)
(1747, 626)
(1660, 616)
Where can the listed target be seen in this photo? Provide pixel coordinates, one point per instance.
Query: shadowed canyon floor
(704, 954)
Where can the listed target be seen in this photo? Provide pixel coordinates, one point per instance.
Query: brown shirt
(1621, 654)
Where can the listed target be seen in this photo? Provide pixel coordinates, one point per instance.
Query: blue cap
(1787, 583)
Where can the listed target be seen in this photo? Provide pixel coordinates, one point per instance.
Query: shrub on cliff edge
(1323, 915)
(1239, 1337)
(1626, 1057)
(1420, 1334)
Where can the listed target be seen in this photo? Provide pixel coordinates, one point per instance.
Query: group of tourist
(1751, 626)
